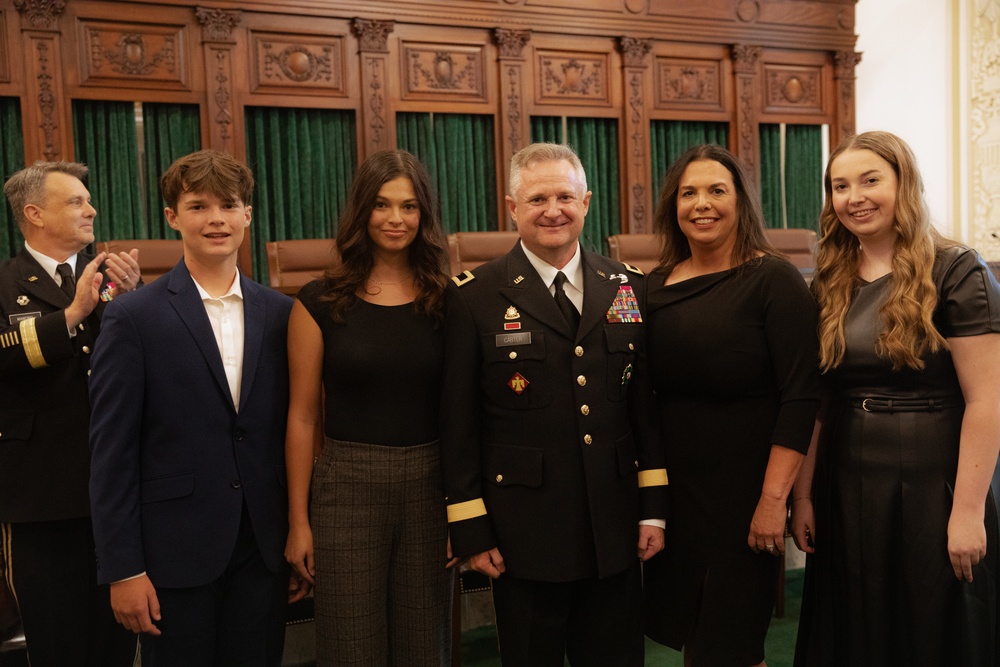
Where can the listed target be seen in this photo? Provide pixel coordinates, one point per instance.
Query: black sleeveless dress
(880, 589)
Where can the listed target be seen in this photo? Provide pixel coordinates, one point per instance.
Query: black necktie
(566, 306)
(68, 281)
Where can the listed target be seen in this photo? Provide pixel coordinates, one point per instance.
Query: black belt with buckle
(903, 404)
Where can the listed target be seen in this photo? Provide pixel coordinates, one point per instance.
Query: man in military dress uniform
(51, 298)
(549, 458)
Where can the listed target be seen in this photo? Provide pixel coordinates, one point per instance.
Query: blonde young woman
(904, 537)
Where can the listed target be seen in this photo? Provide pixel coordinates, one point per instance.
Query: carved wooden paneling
(793, 89)
(144, 56)
(565, 77)
(4, 49)
(298, 64)
(845, 63)
(443, 71)
(43, 130)
(746, 68)
(685, 83)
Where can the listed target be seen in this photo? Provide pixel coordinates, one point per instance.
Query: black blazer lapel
(254, 316)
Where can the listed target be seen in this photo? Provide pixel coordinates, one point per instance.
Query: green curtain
(11, 160)
(595, 140)
(670, 138)
(804, 175)
(104, 137)
(798, 203)
(303, 161)
(169, 131)
(458, 151)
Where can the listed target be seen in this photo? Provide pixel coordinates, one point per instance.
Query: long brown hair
(427, 255)
(908, 330)
(750, 236)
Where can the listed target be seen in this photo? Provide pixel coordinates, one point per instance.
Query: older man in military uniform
(51, 298)
(550, 460)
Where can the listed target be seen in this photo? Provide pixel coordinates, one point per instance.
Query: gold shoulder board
(463, 277)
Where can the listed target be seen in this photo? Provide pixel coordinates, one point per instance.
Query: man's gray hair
(542, 152)
(27, 186)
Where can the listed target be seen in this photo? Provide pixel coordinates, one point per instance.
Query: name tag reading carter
(508, 339)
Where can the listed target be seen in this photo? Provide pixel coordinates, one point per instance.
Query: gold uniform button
(584, 409)
(578, 351)
(80, 325)
(631, 346)
(88, 372)
(86, 350)
(636, 464)
(499, 478)
(581, 380)
(587, 439)
(513, 355)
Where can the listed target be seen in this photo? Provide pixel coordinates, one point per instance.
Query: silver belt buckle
(864, 405)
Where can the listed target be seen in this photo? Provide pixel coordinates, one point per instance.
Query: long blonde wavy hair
(908, 330)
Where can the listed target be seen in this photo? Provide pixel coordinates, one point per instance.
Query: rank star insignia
(512, 314)
(22, 300)
(518, 383)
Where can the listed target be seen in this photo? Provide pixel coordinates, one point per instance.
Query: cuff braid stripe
(657, 477)
(470, 509)
(32, 349)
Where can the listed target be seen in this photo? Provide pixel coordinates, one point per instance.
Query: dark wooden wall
(743, 62)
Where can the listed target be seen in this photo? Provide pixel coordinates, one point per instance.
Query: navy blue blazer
(172, 460)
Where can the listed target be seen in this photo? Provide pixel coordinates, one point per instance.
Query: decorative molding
(637, 6)
(638, 209)
(222, 96)
(376, 99)
(4, 47)
(748, 11)
(747, 124)
(433, 71)
(40, 13)
(843, 74)
(511, 42)
(514, 107)
(579, 78)
(796, 89)
(218, 24)
(683, 83)
(46, 101)
(745, 58)
(636, 105)
(844, 64)
(299, 63)
(131, 57)
(373, 36)
(634, 51)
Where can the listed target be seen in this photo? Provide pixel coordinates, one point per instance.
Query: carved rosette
(795, 88)
(297, 63)
(511, 42)
(634, 51)
(131, 57)
(218, 24)
(40, 13)
(373, 36)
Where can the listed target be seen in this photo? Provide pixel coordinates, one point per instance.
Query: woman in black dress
(732, 351)
(367, 517)
(903, 538)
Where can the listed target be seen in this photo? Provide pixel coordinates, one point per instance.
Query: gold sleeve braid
(32, 348)
(656, 477)
(470, 509)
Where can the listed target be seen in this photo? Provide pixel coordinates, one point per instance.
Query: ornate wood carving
(511, 42)
(513, 107)
(793, 89)
(303, 63)
(218, 24)
(439, 71)
(4, 48)
(374, 109)
(40, 13)
(47, 86)
(748, 11)
(567, 78)
(746, 60)
(222, 95)
(844, 64)
(373, 36)
(685, 83)
(634, 50)
(144, 56)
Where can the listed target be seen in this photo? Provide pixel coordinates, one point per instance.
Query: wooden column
(746, 70)
(378, 120)
(47, 122)
(843, 74)
(515, 124)
(217, 44)
(637, 191)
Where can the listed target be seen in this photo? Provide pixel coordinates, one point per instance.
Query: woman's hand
(767, 528)
(966, 542)
(299, 552)
(804, 524)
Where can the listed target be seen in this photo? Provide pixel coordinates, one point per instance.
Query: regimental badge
(625, 307)
(518, 383)
(512, 314)
(22, 300)
(621, 276)
(109, 292)
(517, 281)
(627, 374)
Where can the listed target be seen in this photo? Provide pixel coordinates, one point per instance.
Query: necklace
(383, 284)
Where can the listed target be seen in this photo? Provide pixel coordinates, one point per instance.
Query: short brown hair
(27, 186)
(207, 171)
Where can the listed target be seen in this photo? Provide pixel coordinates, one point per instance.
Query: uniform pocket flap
(520, 466)
(168, 487)
(16, 425)
(622, 337)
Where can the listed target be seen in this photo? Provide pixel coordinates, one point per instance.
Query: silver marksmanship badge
(22, 300)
